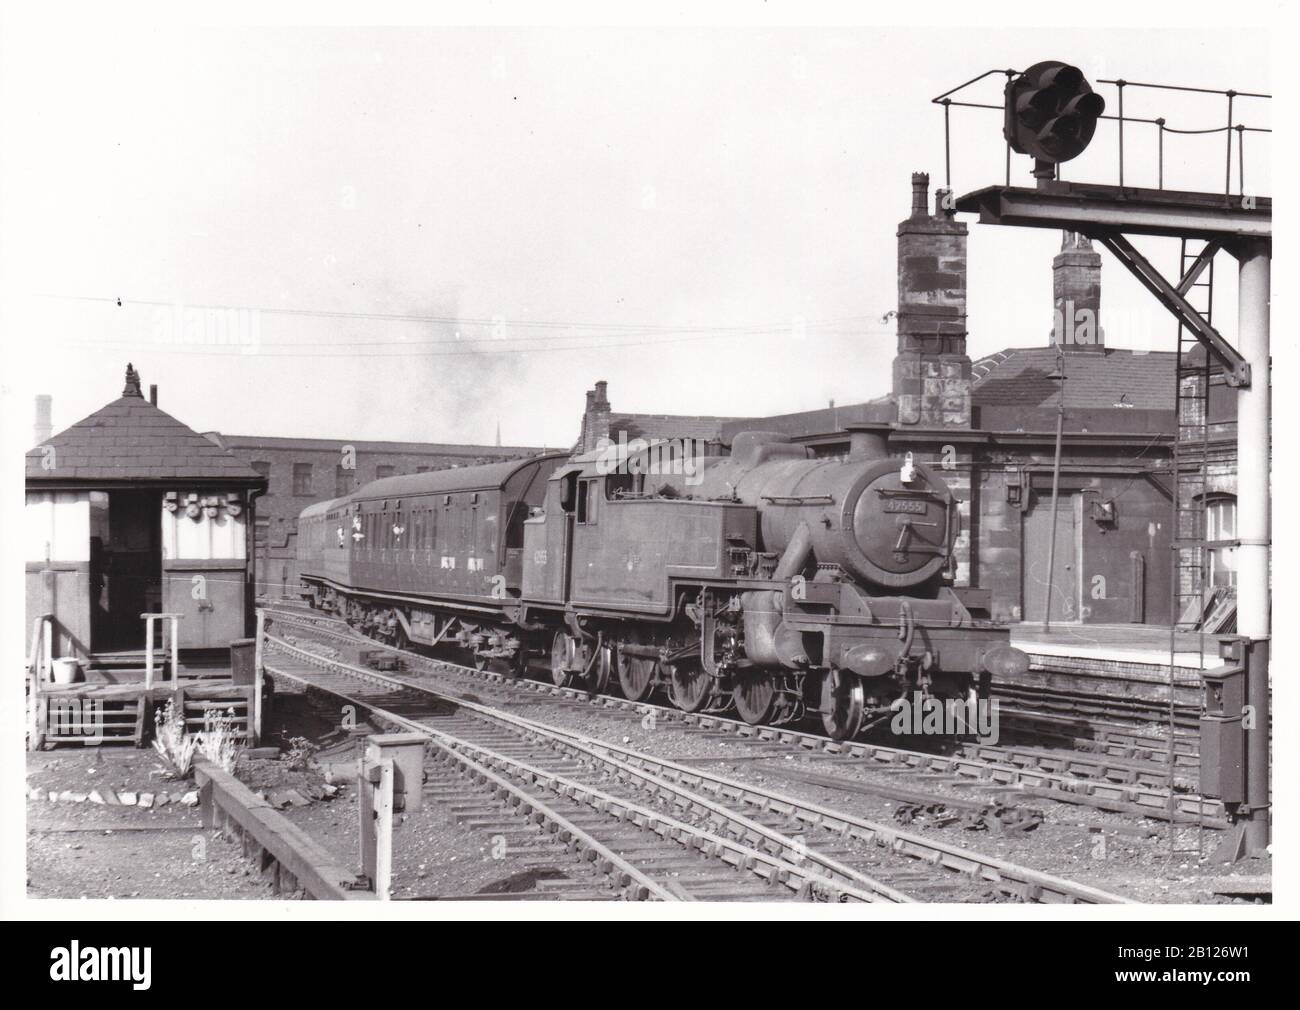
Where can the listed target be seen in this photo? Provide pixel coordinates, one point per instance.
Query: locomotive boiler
(767, 580)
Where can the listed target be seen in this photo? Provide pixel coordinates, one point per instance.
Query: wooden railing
(39, 657)
(148, 645)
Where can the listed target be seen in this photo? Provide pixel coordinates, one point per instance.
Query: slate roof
(132, 440)
(683, 426)
(247, 442)
(1018, 377)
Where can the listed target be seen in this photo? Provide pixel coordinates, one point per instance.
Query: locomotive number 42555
(912, 505)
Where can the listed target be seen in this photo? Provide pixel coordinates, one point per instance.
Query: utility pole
(1059, 377)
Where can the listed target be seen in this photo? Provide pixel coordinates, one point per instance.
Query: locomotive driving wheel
(689, 686)
(842, 704)
(754, 693)
(636, 674)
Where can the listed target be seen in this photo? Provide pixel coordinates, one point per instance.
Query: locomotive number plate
(911, 505)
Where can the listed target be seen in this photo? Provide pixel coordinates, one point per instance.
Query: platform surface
(1127, 643)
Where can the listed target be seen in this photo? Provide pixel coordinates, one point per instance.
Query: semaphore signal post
(1051, 113)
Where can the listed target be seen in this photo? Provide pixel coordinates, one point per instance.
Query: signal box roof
(132, 442)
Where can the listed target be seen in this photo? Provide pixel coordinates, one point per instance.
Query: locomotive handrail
(798, 499)
(907, 492)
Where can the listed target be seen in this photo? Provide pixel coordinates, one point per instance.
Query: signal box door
(205, 572)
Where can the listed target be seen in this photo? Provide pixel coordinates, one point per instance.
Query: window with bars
(1221, 524)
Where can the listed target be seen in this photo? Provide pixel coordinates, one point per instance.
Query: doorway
(1066, 592)
(125, 567)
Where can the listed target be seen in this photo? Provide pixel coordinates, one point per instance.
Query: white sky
(705, 218)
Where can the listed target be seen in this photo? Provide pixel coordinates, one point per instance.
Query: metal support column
(1253, 526)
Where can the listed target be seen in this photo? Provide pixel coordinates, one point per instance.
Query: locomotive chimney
(932, 374)
(868, 441)
(43, 427)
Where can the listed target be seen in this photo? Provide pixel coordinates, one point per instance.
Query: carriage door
(204, 559)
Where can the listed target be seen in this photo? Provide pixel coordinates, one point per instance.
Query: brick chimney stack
(932, 372)
(1076, 296)
(596, 418)
(43, 427)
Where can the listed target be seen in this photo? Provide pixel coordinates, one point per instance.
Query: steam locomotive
(767, 581)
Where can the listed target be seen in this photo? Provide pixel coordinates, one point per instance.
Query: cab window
(588, 495)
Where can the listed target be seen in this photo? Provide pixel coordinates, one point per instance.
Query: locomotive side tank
(768, 580)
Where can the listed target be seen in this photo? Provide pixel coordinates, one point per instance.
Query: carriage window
(516, 515)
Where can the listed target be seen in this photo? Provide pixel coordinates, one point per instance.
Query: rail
(1074, 777)
(670, 778)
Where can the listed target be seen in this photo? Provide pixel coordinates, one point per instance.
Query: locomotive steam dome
(860, 513)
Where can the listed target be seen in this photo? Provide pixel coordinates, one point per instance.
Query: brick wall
(932, 373)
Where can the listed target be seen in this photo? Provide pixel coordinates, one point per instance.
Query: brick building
(989, 425)
(600, 422)
(300, 471)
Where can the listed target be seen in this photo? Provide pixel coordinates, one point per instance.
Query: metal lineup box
(1223, 759)
(1223, 737)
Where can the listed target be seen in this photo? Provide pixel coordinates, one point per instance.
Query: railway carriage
(427, 558)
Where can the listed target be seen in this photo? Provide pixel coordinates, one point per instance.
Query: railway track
(1134, 781)
(665, 830)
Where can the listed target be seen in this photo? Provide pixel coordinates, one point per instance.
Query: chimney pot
(920, 193)
(43, 427)
(153, 393)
